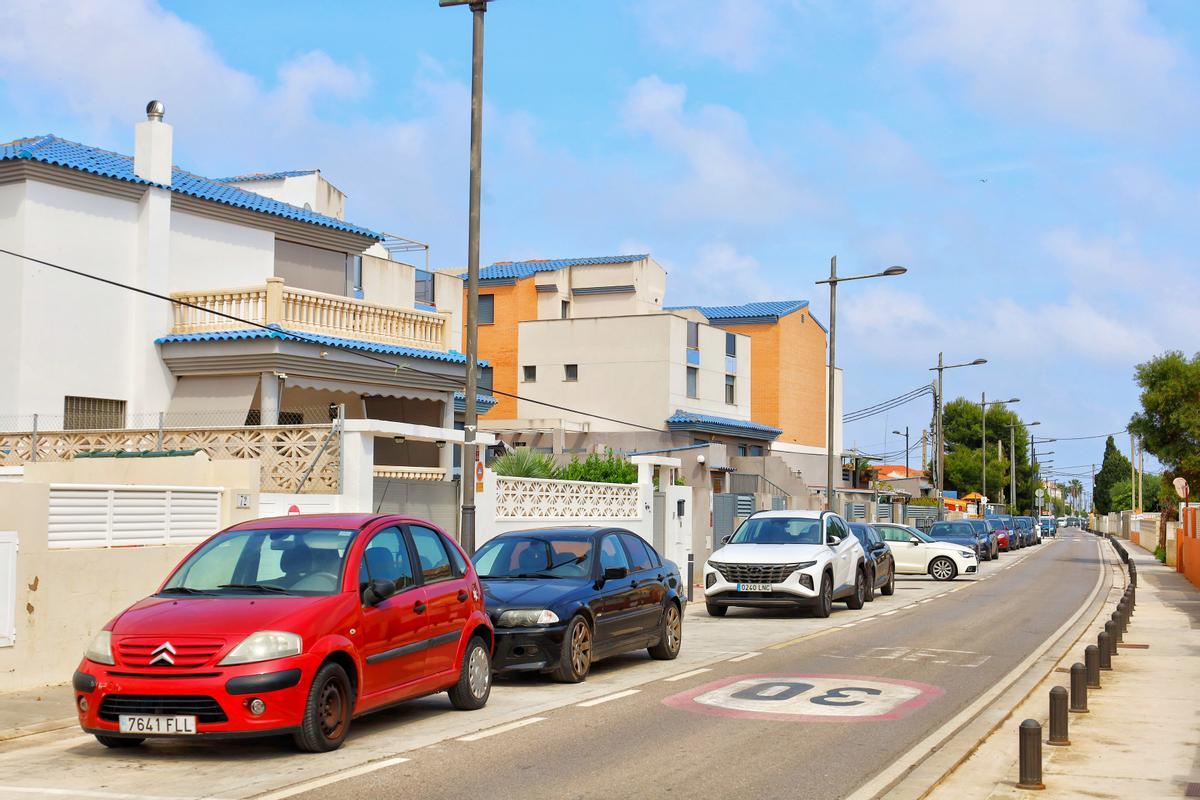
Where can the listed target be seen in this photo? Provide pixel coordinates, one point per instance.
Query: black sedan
(961, 532)
(563, 598)
(880, 562)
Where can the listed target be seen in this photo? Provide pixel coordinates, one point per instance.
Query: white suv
(787, 558)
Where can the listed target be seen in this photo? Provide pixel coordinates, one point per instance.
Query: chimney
(152, 146)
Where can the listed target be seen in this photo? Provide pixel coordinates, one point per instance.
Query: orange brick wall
(787, 360)
(498, 341)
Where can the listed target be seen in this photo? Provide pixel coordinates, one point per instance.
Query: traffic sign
(1040, 493)
(1181, 488)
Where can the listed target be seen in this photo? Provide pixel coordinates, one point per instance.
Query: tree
(1123, 490)
(963, 421)
(523, 462)
(1075, 492)
(1169, 422)
(1113, 469)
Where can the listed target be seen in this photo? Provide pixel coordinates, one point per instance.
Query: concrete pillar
(358, 472)
(446, 453)
(269, 399)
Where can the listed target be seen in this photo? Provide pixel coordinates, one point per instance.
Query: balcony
(310, 312)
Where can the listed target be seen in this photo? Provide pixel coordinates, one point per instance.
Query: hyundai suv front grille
(755, 573)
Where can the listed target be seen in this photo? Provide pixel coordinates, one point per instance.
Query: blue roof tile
(50, 149)
(265, 176)
(450, 356)
(509, 270)
(690, 420)
(769, 308)
(483, 402)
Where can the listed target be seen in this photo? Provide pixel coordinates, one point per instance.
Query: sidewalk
(1141, 738)
(30, 711)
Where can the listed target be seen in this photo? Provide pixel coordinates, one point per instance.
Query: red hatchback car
(291, 625)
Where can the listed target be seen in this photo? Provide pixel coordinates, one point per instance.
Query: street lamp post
(940, 433)
(905, 435)
(833, 281)
(1012, 462)
(471, 414)
(983, 404)
(1033, 464)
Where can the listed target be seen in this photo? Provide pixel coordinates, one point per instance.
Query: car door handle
(662, 577)
(419, 607)
(633, 584)
(462, 595)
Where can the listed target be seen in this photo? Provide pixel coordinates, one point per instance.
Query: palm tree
(1075, 489)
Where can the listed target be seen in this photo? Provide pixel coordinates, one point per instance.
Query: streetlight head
(978, 361)
(898, 433)
(895, 271)
(1031, 424)
(1014, 400)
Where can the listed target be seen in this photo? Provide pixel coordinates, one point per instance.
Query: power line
(887, 405)
(310, 340)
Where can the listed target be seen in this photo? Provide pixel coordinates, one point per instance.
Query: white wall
(710, 383)
(12, 282)
(208, 254)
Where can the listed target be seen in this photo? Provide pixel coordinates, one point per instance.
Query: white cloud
(1102, 66)
(734, 32)
(724, 176)
(719, 274)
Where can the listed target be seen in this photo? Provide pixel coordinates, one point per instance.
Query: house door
(724, 509)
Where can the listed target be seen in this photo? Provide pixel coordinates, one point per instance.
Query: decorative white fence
(546, 499)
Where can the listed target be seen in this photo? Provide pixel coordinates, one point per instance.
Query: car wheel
(327, 711)
(715, 610)
(889, 588)
(942, 569)
(869, 590)
(575, 660)
(859, 598)
(670, 634)
(118, 742)
(474, 679)
(824, 605)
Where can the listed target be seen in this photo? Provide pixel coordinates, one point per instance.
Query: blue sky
(1032, 164)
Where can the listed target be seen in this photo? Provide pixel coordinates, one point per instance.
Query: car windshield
(950, 530)
(995, 525)
(297, 561)
(535, 557)
(778, 530)
(980, 526)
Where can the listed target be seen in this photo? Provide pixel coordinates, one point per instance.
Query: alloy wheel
(479, 672)
(942, 569)
(674, 628)
(581, 648)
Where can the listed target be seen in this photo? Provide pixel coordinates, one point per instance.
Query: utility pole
(1132, 471)
(471, 415)
(983, 405)
(1141, 476)
(940, 428)
(924, 447)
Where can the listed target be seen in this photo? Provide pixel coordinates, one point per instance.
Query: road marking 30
(606, 698)
(511, 726)
(684, 675)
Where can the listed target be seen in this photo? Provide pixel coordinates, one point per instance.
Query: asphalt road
(914, 660)
(815, 717)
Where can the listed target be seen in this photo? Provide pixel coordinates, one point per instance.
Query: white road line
(943, 594)
(910, 605)
(30, 790)
(512, 726)
(927, 600)
(685, 675)
(848, 625)
(745, 656)
(614, 696)
(326, 780)
(889, 613)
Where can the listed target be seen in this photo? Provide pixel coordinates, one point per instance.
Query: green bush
(1160, 553)
(608, 468)
(524, 463)
(923, 501)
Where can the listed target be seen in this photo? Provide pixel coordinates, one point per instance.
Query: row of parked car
(296, 625)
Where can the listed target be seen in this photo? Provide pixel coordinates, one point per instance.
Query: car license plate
(157, 724)
(754, 587)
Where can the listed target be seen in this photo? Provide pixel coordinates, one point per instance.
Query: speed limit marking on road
(807, 698)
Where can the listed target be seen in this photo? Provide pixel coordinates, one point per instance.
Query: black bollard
(691, 576)
(1091, 660)
(1079, 688)
(1103, 641)
(1116, 623)
(1029, 746)
(1109, 628)
(1058, 717)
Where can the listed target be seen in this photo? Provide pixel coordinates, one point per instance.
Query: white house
(286, 317)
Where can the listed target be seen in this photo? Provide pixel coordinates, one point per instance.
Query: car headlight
(526, 617)
(100, 650)
(805, 565)
(264, 646)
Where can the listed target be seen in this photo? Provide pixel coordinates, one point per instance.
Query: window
(743, 450)
(693, 336)
(386, 559)
(487, 309)
(354, 282)
(303, 561)
(756, 450)
(731, 390)
(638, 551)
(566, 309)
(435, 564)
(835, 528)
(612, 554)
(731, 344)
(485, 380)
(693, 379)
(530, 373)
(425, 287)
(570, 372)
(92, 413)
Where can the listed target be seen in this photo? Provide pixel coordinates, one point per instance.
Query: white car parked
(788, 559)
(918, 554)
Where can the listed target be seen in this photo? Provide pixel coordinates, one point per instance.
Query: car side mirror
(615, 573)
(725, 539)
(914, 540)
(378, 591)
